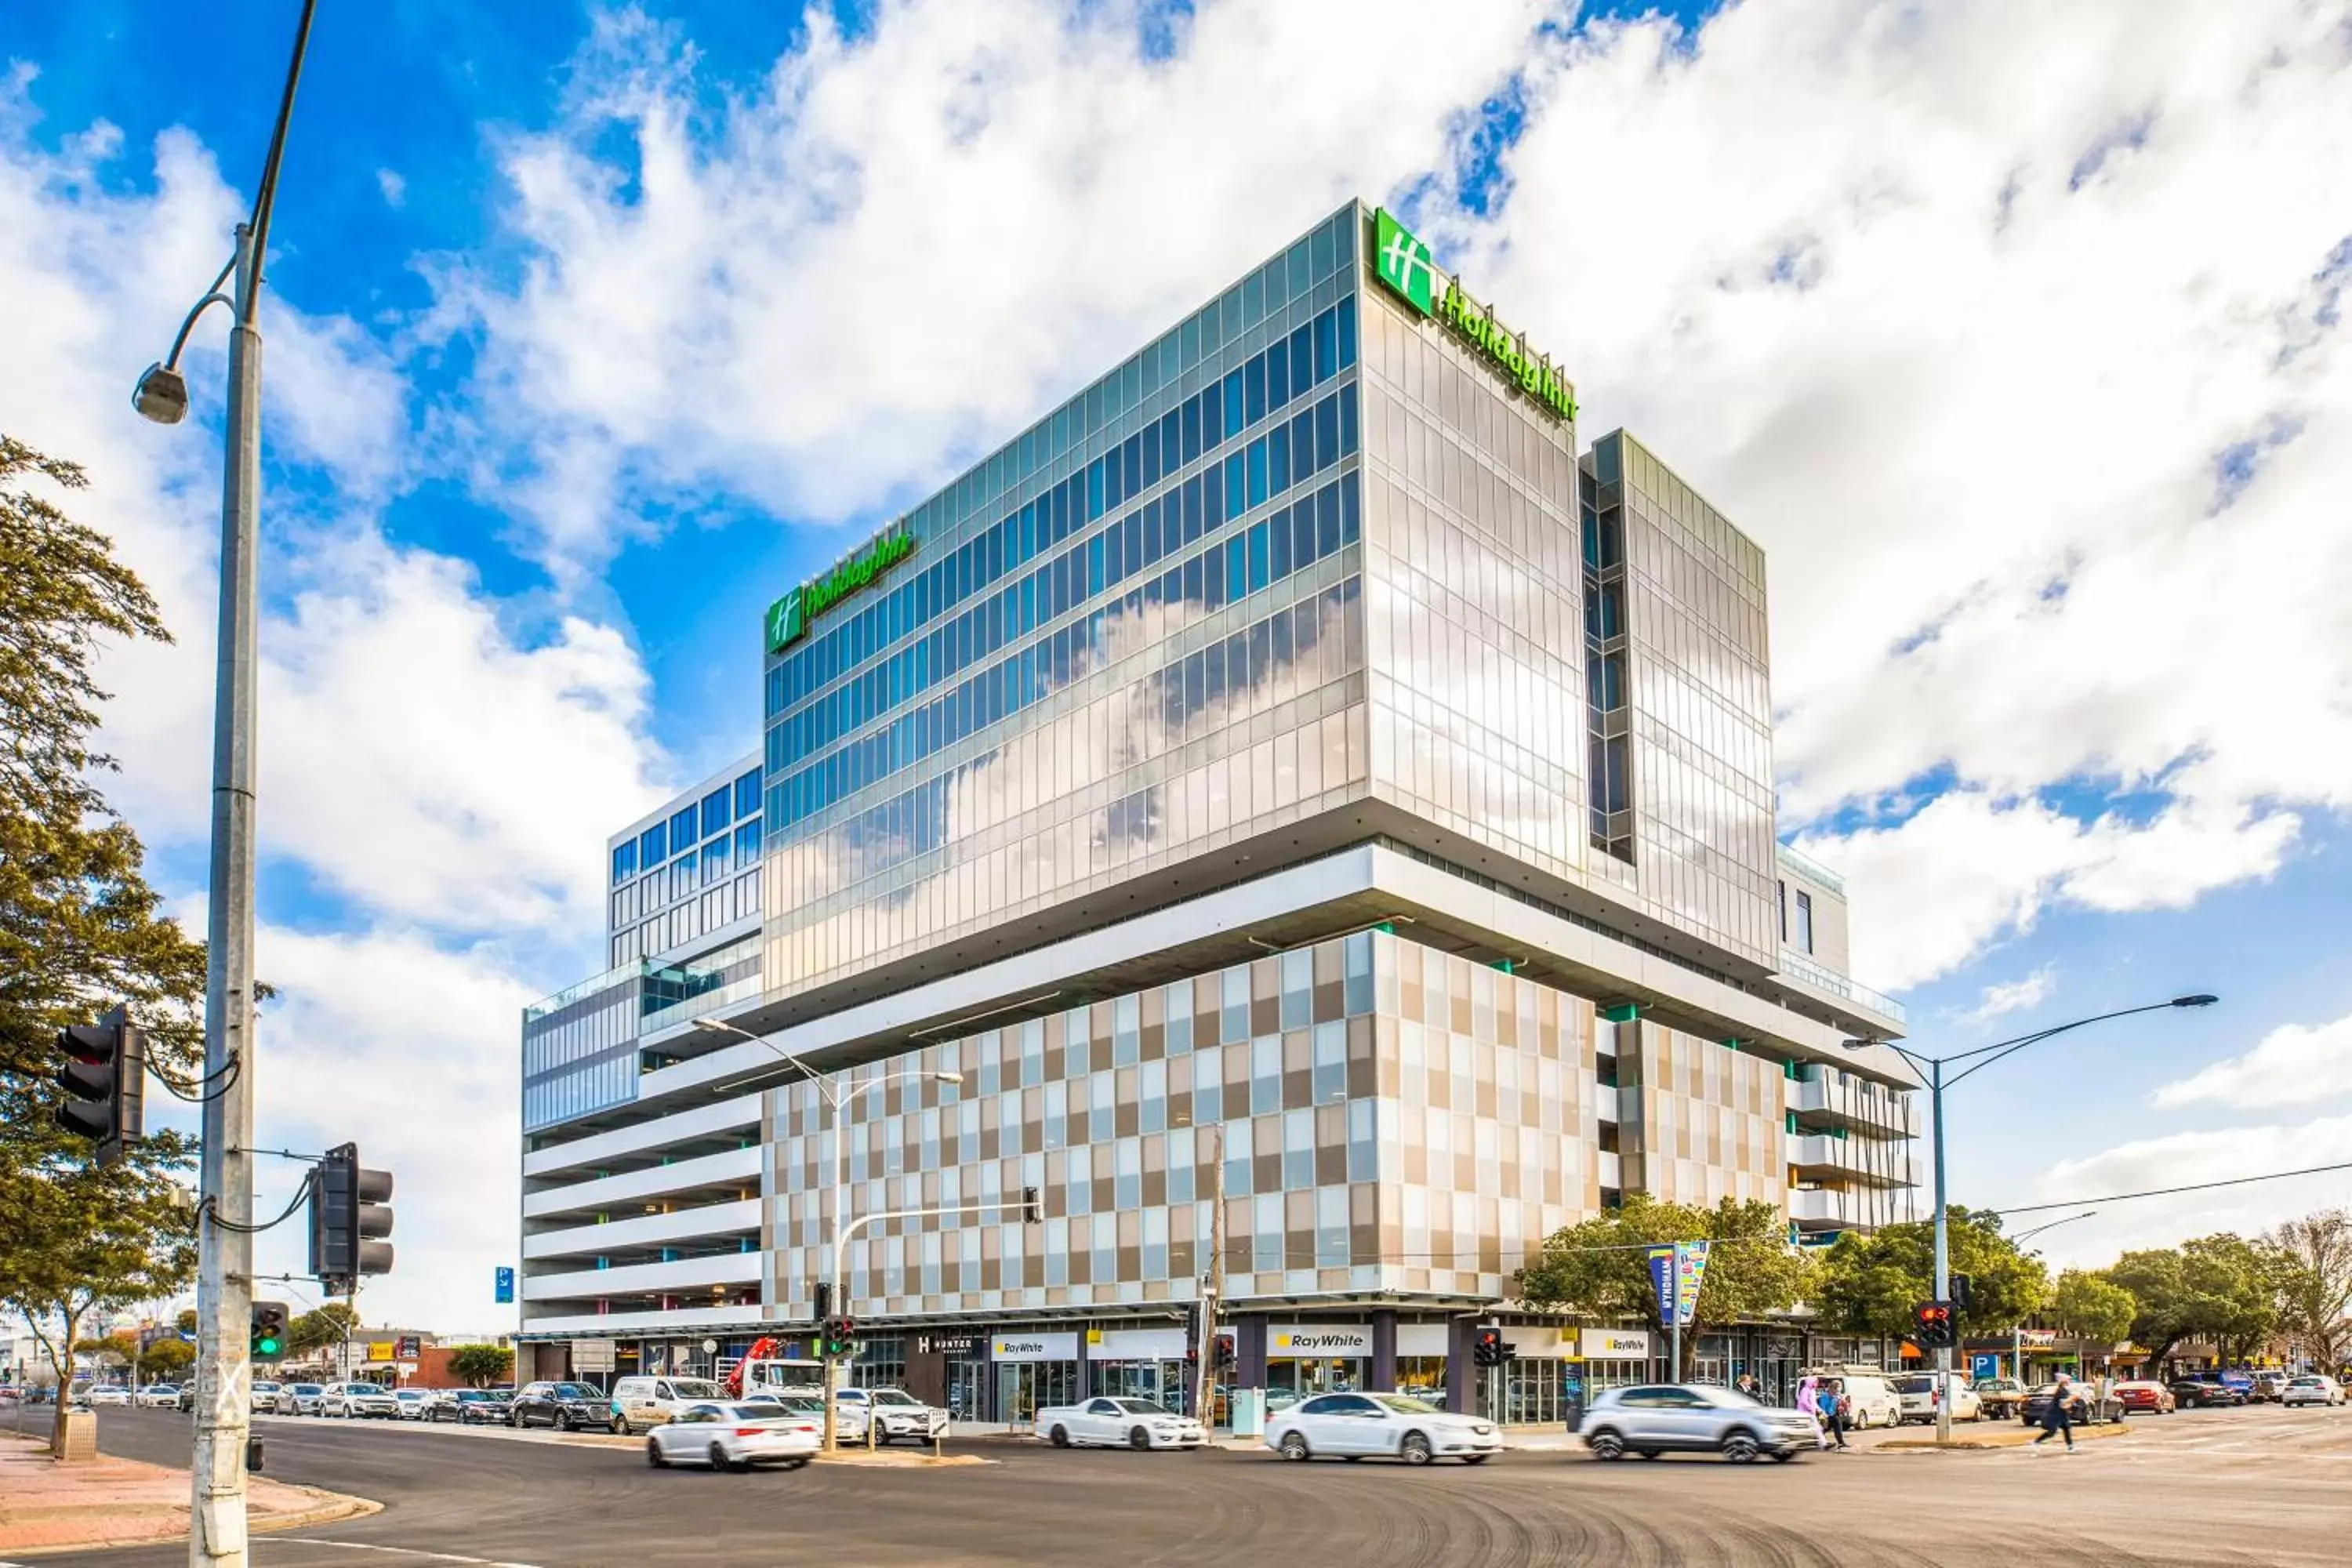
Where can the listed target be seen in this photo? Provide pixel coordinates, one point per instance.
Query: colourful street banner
(1679, 1266)
(1690, 1267)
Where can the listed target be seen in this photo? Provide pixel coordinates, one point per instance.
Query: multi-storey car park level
(1292, 760)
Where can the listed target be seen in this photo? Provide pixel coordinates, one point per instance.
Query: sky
(2013, 332)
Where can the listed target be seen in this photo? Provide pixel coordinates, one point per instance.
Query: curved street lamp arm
(265, 196)
(1996, 1051)
(212, 296)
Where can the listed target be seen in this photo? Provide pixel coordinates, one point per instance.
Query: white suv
(2311, 1388)
(1693, 1418)
(895, 1415)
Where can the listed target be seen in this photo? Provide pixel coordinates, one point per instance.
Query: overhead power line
(2167, 1191)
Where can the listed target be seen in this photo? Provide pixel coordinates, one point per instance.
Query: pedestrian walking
(2055, 1418)
(1748, 1385)
(1835, 1409)
(1809, 1400)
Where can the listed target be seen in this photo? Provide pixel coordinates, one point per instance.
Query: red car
(2153, 1398)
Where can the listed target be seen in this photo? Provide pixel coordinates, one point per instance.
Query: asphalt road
(2260, 1486)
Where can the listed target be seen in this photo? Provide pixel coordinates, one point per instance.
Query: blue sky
(594, 326)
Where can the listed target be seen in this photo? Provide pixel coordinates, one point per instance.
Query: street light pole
(2016, 1331)
(216, 1526)
(835, 1103)
(1977, 1058)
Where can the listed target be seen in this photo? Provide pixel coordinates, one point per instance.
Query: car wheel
(1139, 1439)
(654, 1454)
(798, 1461)
(1740, 1448)
(1415, 1449)
(719, 1460)
(563, 1422)
(1294, 1447)
(1606, 1445)
(1059, 1437)
(1475, 1458)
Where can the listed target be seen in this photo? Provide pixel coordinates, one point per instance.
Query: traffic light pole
(216, 1528)
(1943, 1258)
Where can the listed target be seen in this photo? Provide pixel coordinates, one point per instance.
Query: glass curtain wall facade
(1132, 637)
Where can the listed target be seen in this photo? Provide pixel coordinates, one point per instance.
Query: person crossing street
(2055, 1418)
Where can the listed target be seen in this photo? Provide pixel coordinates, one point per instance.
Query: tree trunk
(65, 1385)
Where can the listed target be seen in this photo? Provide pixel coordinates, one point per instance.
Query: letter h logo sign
(1404, 264)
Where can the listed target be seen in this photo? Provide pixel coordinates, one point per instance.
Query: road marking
(363, 1546)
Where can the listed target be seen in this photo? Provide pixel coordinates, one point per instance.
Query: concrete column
(1385, 1343)
(1085, 1358)
(1461, 1375)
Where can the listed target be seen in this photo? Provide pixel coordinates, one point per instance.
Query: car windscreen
(892, 1396)
(1405, 1405)
(695, 1389)
(308, 1388)
(1139, 1407)
(757, 1410)
(574, 1391)
(1915, 1386)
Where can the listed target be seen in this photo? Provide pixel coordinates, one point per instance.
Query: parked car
(359, 1399)
(566, 1407)
(642, 1404)
(2239, 1382)
(2311, 1388)
(265, 1397)
(303, 1398)
(2002, 1398)
(1119, 1424)
(1353, 1426)
(897, 1414)
(2153, 1398)
(1916, 1390)
(106, 1393)
(2084, 1406)
(413, 1402)
(2270, 1386)
(158, 1396)
(732, 1436)
(2208, 1390)
(477, 1406)
(1692, 1419)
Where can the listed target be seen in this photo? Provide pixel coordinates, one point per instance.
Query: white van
(640, 1404)
(1918, 1392)
(1873, 1401)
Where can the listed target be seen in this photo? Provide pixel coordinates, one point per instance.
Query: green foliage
(2315, 1283)
(2220, 1288)
(1869, 1284)
(482, 1365)
(2091, 1305)
(167, 1360)
(1598, 1268)
(114, 1350)
(186, 1321)
(330, 1325)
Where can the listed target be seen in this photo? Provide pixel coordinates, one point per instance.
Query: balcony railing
(1797, 967)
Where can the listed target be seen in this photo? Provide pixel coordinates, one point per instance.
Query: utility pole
(1213, 1287)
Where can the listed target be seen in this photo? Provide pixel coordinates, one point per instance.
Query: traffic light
(104, 1075)
(1030, 1214)
(1486, 1347)
(1961, 1285)
(822, 1302)
(350, 1216)
(1931, 1326)
(837, 1337)
(270, 1321)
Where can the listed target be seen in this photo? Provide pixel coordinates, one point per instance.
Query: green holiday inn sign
(789, 617)
(1410, 272)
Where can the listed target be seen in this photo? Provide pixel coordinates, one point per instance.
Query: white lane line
(364, 1546)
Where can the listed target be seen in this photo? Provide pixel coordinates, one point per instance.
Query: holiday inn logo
(789, 617)
(1407, 268)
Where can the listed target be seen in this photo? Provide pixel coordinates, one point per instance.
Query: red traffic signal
(1933, 1325)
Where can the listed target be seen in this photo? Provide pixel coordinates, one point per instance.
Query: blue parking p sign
(506, 1287)
(1984, 1363)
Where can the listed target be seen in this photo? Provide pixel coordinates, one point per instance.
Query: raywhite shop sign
(1290, 1342)
(1034, 1347)
(1615, 1344)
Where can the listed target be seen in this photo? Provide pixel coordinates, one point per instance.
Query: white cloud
(445, 761)
(394, 188)
(2186, 1159)
(895, 250)
(2013, 995)
(1891, 286)
(2292, 1065)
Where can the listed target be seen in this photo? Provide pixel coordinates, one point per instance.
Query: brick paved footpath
(47, 1507)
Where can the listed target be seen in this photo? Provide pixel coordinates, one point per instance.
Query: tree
(330, 1325)
(167, 1360)
(2220, 1288)
(186, 1321)
(1870, 1284)
(114, 1350)
(1600, 1267)
(482, 1366)
(2315, 1295)
(2091, 1305)
(81, 928)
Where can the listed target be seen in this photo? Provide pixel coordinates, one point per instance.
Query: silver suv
(1663, 1418)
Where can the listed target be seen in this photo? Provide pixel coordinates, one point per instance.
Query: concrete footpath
(47, 1506)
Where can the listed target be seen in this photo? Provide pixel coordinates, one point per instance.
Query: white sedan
(158, 1396)
(110, 1395)
(2310, 1389)
(1118, 1423)
(1351, 1426)
(734, 1438)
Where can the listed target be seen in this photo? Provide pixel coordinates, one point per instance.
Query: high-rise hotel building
(1294, 770)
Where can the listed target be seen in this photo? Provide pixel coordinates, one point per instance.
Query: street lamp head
(949, 1077)
(712, 1026)
(1856, 1044)
(160, 395)
(2200, 1000)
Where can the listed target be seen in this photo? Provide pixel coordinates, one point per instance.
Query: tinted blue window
(682, 824)
(652, 845)
(1277, 374)
(624, 862)
(715, 813)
